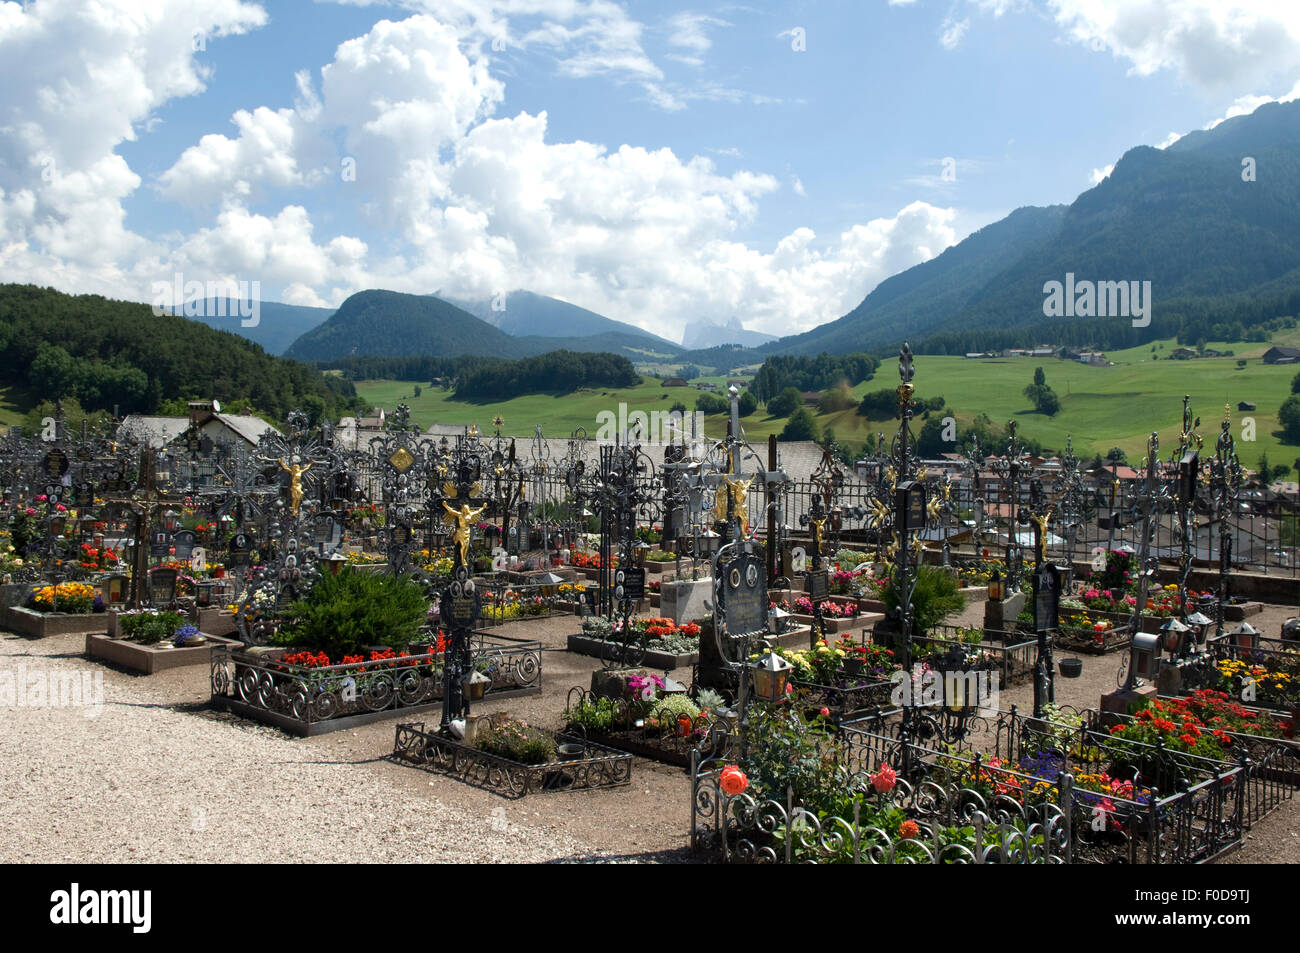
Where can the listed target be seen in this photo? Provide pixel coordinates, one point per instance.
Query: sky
(656, 162)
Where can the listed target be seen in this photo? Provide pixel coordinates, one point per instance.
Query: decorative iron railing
(319, 694)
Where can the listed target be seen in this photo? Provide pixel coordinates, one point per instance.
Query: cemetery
(984, 658)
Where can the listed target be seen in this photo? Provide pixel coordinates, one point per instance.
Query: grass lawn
(1101, 407)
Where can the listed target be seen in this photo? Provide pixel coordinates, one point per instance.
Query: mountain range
(1212, 222)
(393, 324)
(1214, 219)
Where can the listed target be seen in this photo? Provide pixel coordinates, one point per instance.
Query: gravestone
(684, 601)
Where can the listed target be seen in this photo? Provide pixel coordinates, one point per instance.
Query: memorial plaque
(817, 585)
(634, 584)
(84, 495)
(184, 543)
(464, 612)
(159, 544)
(744, 594)
(55, 464)
(1047, 597)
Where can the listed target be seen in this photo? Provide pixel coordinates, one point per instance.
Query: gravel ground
(141, 781)
(157, 776)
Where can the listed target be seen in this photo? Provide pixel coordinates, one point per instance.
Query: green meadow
(1101, 407)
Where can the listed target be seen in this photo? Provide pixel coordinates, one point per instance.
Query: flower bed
(1092, 633)
(148, 659)
(1128, 802)
(588, 767)
(305, 694)
(656, 642)
(1212, 725)
(660, 727)
(72, 598)
(793, 798)
(1013, 660)
(40, 625)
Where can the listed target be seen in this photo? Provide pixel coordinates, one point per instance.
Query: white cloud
(1100, 174)
(76, 80)
(689, 31)
(797, 184)
(1169, 140)
(1216, 43)
(467, 202)
(951, 31)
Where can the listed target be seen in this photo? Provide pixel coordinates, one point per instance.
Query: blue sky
(656, 162)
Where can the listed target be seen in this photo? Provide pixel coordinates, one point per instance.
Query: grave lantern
(1199, 623)
(171, 521)
(1172, 636)
(995, 586)
(337, 561)
(1245, 636)
(771, 675)
(1145, 656)
(57, 525)
(475, 685)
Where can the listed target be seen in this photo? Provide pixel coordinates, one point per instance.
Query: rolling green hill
(1102, 407)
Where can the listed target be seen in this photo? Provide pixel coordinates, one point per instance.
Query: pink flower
(825, 712)
(883, 781)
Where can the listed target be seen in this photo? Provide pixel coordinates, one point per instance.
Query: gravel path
(137, 781)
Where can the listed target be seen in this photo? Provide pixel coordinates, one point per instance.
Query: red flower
(883, 781)
(909, 830)
(733, 780)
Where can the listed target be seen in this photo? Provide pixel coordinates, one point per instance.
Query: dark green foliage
(785, 403)
(391, 324)
(1288, 415)
(106, 353)
(800, 426)
(935, 598)
(883, 404)
(747, 403)
(559, 372)
(811, 373)
(1044, 398)
(344, 614)
(708, 403)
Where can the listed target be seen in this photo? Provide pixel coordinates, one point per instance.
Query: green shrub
(597, 715)
(150, 627)
(344, 614)
(516, 741)
(935, 598)
(672, 707)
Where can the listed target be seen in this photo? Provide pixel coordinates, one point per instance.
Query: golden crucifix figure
(295, 472)
(461, 519)
(1041, 521)
(738, 491)
(817, 533)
